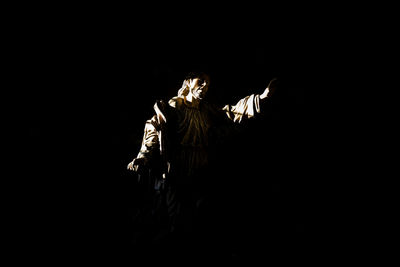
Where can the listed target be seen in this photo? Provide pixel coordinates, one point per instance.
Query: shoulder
(175, 102)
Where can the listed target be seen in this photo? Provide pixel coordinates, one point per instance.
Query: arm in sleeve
(150, 141)
(249, 106)
(246, 108)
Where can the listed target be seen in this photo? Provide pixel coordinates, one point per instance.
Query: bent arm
(150, 142)
(149, 146)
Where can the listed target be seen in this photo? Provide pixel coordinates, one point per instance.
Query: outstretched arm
(250, 105)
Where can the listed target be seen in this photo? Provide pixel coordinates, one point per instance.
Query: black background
(92, 81)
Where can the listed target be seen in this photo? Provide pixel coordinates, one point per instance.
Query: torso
(191, 143)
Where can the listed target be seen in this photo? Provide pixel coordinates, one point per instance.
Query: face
(199, 87)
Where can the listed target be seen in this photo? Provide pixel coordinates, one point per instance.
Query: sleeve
(150, 141)
(247, 108)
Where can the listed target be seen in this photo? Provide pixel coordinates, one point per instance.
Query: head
(196, 84)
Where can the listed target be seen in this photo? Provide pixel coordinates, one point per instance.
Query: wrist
(264, 94)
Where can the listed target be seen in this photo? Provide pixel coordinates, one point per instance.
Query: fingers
(136, 164)
(130, 166)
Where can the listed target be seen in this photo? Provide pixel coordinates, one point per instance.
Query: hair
(184, 90)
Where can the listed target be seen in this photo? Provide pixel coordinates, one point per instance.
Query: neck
(190, 99)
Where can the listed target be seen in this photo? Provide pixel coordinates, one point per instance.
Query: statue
(177, 145)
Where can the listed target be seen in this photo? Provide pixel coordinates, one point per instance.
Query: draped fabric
(181, 133)
(247, 107)
(192, 124)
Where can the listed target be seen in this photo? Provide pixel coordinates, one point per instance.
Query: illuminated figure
(178, 141)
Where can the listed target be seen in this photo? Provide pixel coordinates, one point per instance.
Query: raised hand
(273, 84)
